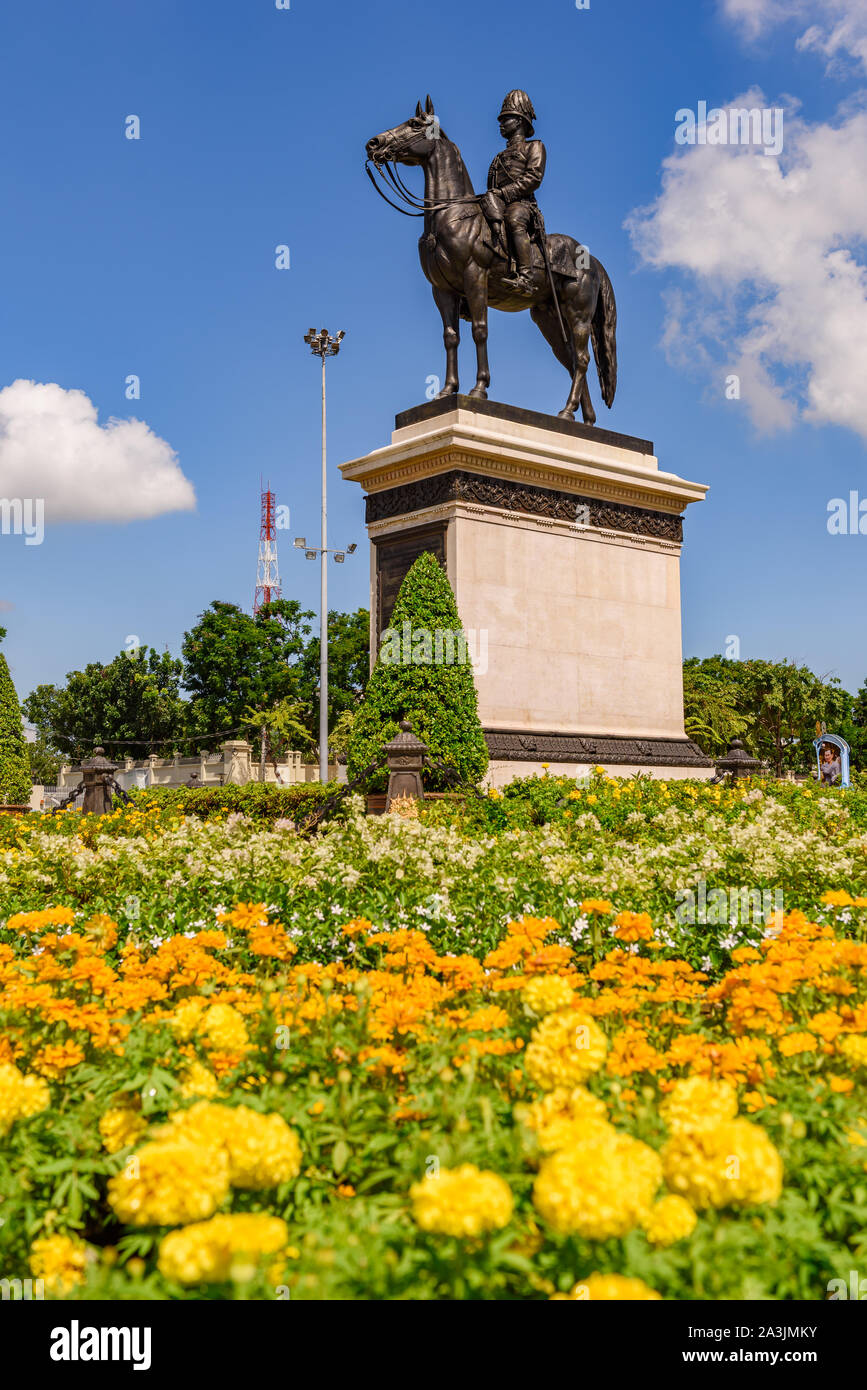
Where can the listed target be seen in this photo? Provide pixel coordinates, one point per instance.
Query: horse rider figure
(514, 176)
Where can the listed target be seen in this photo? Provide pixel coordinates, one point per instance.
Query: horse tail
(603, 333)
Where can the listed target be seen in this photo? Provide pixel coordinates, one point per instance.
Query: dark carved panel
(395, 556)
(516, 746)
(462, 486)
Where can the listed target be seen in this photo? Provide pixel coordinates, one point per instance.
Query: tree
(234, 662)
(132, 706)
(710, 709)
(338, 739)
(422, 674)
(348, 666)
(15, 783)
(780, 702)
(280, 729)
(45, 761)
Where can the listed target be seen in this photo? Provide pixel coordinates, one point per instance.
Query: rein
(387, 172)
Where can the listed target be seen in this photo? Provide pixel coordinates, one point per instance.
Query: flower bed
(411, 1059)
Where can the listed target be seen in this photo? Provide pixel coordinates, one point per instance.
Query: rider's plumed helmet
(517, 103)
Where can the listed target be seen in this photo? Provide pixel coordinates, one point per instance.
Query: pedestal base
(562, 545)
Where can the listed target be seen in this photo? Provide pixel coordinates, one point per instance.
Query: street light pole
(323, 345)
(323, 608)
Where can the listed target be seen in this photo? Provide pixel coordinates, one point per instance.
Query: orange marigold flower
(54, 1060)
(841, 1084)
(633, 926)
(838, 897)
(245, 915)
(792, 1044)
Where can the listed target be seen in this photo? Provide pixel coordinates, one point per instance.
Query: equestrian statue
(492, 250)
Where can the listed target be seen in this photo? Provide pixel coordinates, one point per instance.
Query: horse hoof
(565, 414)
(446, 391)
(479, 393)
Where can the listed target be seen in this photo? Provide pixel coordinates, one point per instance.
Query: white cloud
(835, 28)
(776, 287)
(53, 447)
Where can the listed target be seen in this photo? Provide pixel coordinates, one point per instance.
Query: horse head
(410, 143)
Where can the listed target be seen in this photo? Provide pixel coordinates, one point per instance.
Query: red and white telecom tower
(267, 572)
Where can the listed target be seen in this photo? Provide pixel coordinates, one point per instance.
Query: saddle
(560, 253)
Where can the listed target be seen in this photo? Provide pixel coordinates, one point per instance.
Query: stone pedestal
(562, 544)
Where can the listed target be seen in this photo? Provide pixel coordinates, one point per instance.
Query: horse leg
(448, 303)
(579, 326)
(588, 414)
(476, 293)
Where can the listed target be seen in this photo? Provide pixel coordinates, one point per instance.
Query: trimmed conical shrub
(422, 673)
(14, 763)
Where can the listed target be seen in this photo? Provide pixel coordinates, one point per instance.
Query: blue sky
(156, 257)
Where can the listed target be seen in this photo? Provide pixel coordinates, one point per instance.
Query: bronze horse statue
(572, 301)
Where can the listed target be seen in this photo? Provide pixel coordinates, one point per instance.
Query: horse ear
(418, 110)
(428, 106)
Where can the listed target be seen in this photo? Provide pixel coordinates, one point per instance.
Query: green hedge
(263, 802)
(438, 698)
(15, 783)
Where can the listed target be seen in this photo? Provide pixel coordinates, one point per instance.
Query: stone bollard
(737, 762)
(405, 753)
(96, 774)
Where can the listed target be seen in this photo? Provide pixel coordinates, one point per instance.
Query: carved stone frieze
(506, 745)
(460, 485)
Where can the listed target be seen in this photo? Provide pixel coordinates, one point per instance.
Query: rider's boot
(522, 281)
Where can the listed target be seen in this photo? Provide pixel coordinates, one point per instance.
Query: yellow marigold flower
(20, 1096)
(210, 1252)
(858, 1137)
(169, 1183)
(838, 897)
(464, 1201)
(599, 1189)
(61, 1261)
(600, 905)
(565, 1048)
(608, 1288)
(697, 1102)
(732, 1165)
(562, 1117)
(543, 993)
(197, 1081)
(121, 1127)
(222, 1029)
(262, 1150)
(854, 1048)
(669, 1220)
(185, 1019)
